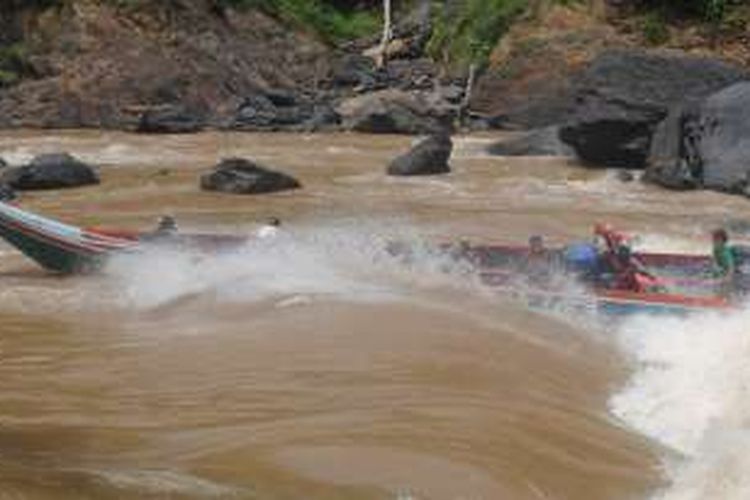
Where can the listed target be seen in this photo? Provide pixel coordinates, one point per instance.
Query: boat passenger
(618, 268)
(724, 264)
(270, 229)
(538, 264)
(166, 226)
(608, 261)
(630, 274)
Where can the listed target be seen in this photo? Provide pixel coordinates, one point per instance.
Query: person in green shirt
(725, 266)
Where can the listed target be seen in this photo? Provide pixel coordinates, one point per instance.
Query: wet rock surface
(428, 157)
(242, 176)
(50, 171)
(623, 95)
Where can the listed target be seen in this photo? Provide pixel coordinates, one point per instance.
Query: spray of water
(689, 392)
(346, 260)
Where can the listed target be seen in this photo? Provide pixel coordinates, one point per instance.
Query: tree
(387, 34)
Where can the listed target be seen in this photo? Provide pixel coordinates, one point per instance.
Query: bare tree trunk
(386, 40)
(463, 110)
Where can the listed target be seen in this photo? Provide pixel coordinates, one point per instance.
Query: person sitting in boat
(724, 263)
(608, 241)
(581, 261)
(630, 274)
(617, 266)
(167, 226)
(165, 231)
(270, 229)
(538, 264)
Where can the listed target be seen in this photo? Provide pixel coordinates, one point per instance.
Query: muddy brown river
(309, 367)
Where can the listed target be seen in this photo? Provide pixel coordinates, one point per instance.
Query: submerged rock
(241, 176)
(706, 144)
(50, 171)
(429, 157)
(625, 176)
(624, 95)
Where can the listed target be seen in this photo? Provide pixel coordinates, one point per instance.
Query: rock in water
(623, 96)
(625, 176)
(537, 142)
(429, 157)
(3, 163)
(170, 120)
(241, 176)
(705, 144)
(50, 171)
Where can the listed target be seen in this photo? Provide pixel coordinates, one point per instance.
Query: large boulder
(354, 70)
(280, 110)
(624, 95)
(170, 120)
(241, 176)
(429, 157)
(255, 112)
(538, 142)
(50, 171)
(395, 112)
(705, 144)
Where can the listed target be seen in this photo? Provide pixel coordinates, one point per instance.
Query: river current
(313, 366)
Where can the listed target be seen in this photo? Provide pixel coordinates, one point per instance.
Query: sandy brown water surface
(309, 368)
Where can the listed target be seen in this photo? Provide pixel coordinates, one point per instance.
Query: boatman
(538, 264)
(725, 265)
(165, 230)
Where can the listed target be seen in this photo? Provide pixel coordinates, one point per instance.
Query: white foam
(690, 392)
(163, 482)
(348, 260)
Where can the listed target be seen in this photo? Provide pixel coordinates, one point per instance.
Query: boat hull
(500, 267)
(63, 248)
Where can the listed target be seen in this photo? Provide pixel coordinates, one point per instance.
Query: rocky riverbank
(580, 82)
(177, 67)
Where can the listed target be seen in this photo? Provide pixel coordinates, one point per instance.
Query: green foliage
(466, 32)
(332, 23)
(8, 78)
(655, 28)
(13, 64)
(714, 10)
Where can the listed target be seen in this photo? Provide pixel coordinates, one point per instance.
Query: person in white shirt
(270, 229)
